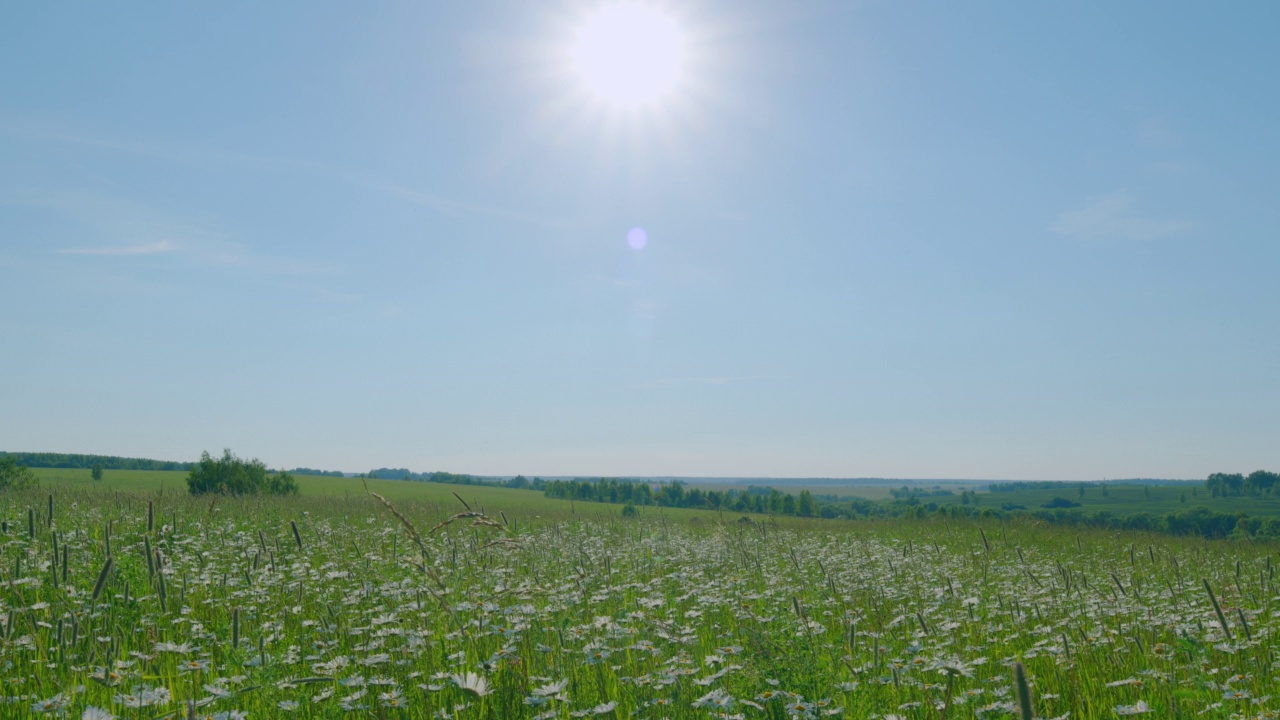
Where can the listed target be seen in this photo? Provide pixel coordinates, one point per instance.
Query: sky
(881, 239)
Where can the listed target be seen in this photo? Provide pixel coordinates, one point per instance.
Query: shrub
(1060, 502)
(13, 475)
(230, 475)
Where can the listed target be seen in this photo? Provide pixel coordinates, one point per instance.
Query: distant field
(866, 492)
(515, 503)
(1126, 499)
(1121, 499)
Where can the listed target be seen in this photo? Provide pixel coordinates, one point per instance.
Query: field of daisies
(132, 605)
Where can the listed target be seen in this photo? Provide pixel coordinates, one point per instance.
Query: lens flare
(637, 238)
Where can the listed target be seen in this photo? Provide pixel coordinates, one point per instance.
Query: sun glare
(629, 54)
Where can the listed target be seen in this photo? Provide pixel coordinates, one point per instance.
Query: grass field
(519, 503)
(865, 492)
(1123, 499)
(533, 609)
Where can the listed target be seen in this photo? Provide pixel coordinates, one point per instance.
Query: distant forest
(106, 462)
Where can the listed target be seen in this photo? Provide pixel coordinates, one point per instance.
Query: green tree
(1261, 481)
(96, 472)
(805, 507)
(13, 475)
(230, 475)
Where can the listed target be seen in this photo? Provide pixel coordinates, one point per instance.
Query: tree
(1225, 484)
(13, 475)
(1261, 481)
(231, 475)
(805, 507)
(96, 472)
(788, 504)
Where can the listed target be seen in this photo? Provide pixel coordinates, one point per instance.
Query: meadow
(124, 601)
(1126, 498)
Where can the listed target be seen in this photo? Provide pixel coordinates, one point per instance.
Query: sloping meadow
(145, 606)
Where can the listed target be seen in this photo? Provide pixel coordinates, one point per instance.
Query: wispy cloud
(447, 205)
(115, 226)
(713, 380)
(203, 156)
(1113, 216)
(163, 246)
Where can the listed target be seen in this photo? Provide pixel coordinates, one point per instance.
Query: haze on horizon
(843, 239)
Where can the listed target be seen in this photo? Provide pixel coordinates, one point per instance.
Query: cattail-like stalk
(151, 515)
(296, 535)
(151, 563)
(235, 628)
(985, 544)
(1217, 608)
(65, 559)
(49, 520)
(1244, 624)
(102, 580)
(31, 523)
(1024, 692)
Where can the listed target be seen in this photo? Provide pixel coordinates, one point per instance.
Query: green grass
(523, 503)
(575, 612)
(1123, 499)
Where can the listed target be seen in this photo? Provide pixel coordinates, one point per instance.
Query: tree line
(106, 462)
(1258, 482)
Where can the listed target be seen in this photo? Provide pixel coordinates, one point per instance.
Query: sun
(629, 54)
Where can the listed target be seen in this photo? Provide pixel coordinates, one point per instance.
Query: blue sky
(997, 240)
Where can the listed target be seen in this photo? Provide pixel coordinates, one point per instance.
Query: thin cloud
(1112, 216)
(713, 380)
(163, 246)
(447, 205)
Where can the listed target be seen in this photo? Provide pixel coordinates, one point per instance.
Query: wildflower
(715, 700)
(169, 647)
(55, 704)
(553, 690)
(472, 683)
(218, 691)
(145, 697)
(1136, 709)
(288, 705)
